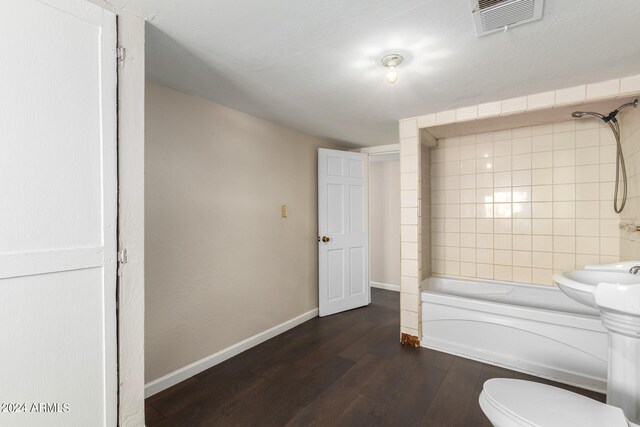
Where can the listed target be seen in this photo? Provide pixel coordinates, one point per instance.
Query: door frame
(130, 287)
(373, 152)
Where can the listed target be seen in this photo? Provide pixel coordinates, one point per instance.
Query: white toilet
(518, 403)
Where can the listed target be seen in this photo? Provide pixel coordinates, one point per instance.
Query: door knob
(325, 239)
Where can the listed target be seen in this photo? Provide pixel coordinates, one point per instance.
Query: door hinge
(122, 256)
(121, 54)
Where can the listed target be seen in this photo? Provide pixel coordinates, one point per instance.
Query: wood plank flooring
(344, 370)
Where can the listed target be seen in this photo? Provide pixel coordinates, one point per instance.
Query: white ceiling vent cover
(496, 15)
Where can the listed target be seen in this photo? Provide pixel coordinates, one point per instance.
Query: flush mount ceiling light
(392, 62)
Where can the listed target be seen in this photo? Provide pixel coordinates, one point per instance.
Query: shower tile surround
(521, 204)
(630, 130)
(543, 204)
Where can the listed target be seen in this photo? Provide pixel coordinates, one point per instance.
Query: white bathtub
(532, 329)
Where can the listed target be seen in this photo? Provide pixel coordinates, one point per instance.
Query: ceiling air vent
(497, 15)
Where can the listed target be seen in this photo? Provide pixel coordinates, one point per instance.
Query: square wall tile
(543, 142)
(501, 272)
(588, 245)
(587, 138)
(521, 145)
(514, 105)
(485, 271)
(571, 95)
(542, 243)
(445, 117)
(604, 89)
(409, 199)
(409, 164)
(408, 128)
(427, 120)
(542, 176)
(541, 130)
(409, 146)
(409, 285)
(522, 275)
(409, 181)
(409, 302)
(409, 250)
(409, 233)
(521, 178)
(541, 276)
(630, 84)
(408, 319)
(542, 226)
(541, 100)
(489, 109)
(564, 192)
(542, 260)
(564, 262)
(467, 113)
(409, 216)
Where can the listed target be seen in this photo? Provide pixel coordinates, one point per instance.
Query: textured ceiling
(314, 65)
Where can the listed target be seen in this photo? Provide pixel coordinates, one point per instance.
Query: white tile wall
(629, 241)
(521, 204)
(516, 204)
(411, 249)
(425, 211)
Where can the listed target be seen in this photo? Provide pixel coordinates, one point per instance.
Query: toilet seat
(518, 403)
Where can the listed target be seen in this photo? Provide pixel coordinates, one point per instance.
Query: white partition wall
(58, 215)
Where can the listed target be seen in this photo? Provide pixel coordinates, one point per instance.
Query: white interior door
(57, 214)
(342, 226)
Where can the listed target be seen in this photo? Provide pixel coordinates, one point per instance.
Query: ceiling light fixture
(392, 62)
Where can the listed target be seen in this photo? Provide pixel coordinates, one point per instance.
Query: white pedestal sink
(616, 293)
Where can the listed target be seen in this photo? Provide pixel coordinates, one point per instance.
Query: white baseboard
(173, 378)
(386, 286)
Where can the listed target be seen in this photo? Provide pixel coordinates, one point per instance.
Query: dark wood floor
(342, 370)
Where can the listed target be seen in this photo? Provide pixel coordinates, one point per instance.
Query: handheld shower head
(611, 120)
(612, 115)
(581, 114)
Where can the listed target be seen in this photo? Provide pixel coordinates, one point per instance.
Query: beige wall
(630, 130)
(221, 264)
(384, 221)
(521, 204)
